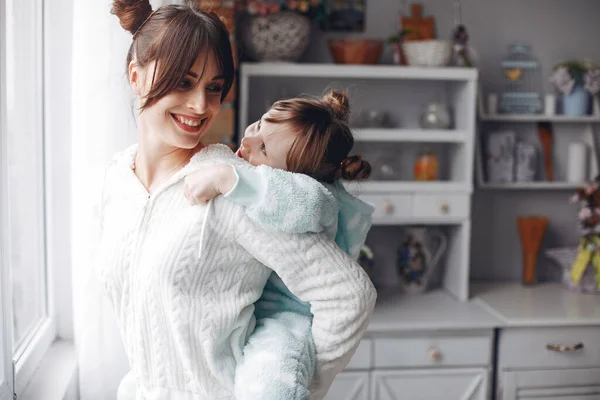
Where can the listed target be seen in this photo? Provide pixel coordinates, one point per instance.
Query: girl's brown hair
(321, 147)
(174, 36)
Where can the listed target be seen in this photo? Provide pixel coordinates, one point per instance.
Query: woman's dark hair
(321, 147)
(174, 36)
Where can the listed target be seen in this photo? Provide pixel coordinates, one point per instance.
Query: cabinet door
(349, 386)
(558, 384)
(431, 384)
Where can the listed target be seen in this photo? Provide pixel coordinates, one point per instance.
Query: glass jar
(426, 166)
(436, 116)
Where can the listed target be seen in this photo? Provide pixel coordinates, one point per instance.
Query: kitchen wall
(556, 29)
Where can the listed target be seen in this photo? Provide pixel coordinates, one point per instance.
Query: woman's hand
(201, 186)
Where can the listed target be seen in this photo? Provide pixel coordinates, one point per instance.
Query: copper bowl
(355, 51)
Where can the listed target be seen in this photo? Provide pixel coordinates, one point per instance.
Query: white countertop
(432, 311)
(538, 305)
(501, 305)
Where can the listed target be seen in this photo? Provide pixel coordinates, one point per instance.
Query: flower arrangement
(588, 198)
(568, 74)
(588, 254)
(310, 8)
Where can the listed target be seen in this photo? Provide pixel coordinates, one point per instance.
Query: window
(6, 383)
(27, 316)
(25, 168)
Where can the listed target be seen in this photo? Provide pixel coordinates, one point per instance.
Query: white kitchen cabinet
(552, 362)
(549, 347)
(431, 384)
(558, 384)
(350, 386)
(418, 365)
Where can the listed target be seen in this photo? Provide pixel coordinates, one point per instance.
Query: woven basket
(355, 51)
(427, 53)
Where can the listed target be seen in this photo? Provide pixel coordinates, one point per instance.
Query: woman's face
(182, 117)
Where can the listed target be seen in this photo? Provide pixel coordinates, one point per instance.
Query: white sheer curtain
(102, 123)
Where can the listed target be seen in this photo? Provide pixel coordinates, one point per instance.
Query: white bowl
(428, 53)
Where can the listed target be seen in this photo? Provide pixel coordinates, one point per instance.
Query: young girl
(312, 139)
(183, 279)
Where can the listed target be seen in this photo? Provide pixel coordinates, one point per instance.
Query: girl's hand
(201, 186)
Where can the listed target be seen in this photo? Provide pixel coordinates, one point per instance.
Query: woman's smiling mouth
(187, 123)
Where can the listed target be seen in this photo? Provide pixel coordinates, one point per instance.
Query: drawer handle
(388, 207)
(562, 348)
(434, 353)
(444, 208)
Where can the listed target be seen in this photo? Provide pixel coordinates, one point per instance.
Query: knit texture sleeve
(285, 201)
(341, 295)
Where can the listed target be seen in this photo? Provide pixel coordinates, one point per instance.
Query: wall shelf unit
(402, 92)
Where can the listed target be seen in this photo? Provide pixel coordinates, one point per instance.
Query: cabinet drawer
(349, 386)
(390, 205)
(555, 384)
(432, 351)
(528, 347)
(441, 205)
(362, 358)
(431, 384)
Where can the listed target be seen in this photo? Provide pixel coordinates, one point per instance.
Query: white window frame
(6, 372)
(20, 367)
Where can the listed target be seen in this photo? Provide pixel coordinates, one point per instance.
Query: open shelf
(587, 136)
(407, 186)
(409, 135)
(539, 118)
(392, 221)
(338, 71)
(535, 185)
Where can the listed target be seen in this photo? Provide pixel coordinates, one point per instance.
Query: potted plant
(396, 41)
(277, 30)
(578, 82)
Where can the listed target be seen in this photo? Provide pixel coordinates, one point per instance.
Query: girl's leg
(279, 358)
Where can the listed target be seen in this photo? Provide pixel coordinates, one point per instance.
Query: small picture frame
(344, 16)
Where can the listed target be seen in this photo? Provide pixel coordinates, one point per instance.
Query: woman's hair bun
(131, 13)
(339, 104)
(354, 168)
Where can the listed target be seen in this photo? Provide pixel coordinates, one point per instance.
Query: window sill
(56, 376)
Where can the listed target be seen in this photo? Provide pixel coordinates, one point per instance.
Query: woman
(182, 278)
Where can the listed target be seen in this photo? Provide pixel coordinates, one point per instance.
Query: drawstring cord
(208, 210)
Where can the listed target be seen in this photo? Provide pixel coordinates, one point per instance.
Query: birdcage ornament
(522, 81)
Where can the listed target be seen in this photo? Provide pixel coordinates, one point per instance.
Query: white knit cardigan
(183, 280)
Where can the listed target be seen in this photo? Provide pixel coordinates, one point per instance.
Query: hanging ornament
(461, 39)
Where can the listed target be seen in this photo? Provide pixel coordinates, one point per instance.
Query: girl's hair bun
(339, 104)
(354, 168)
